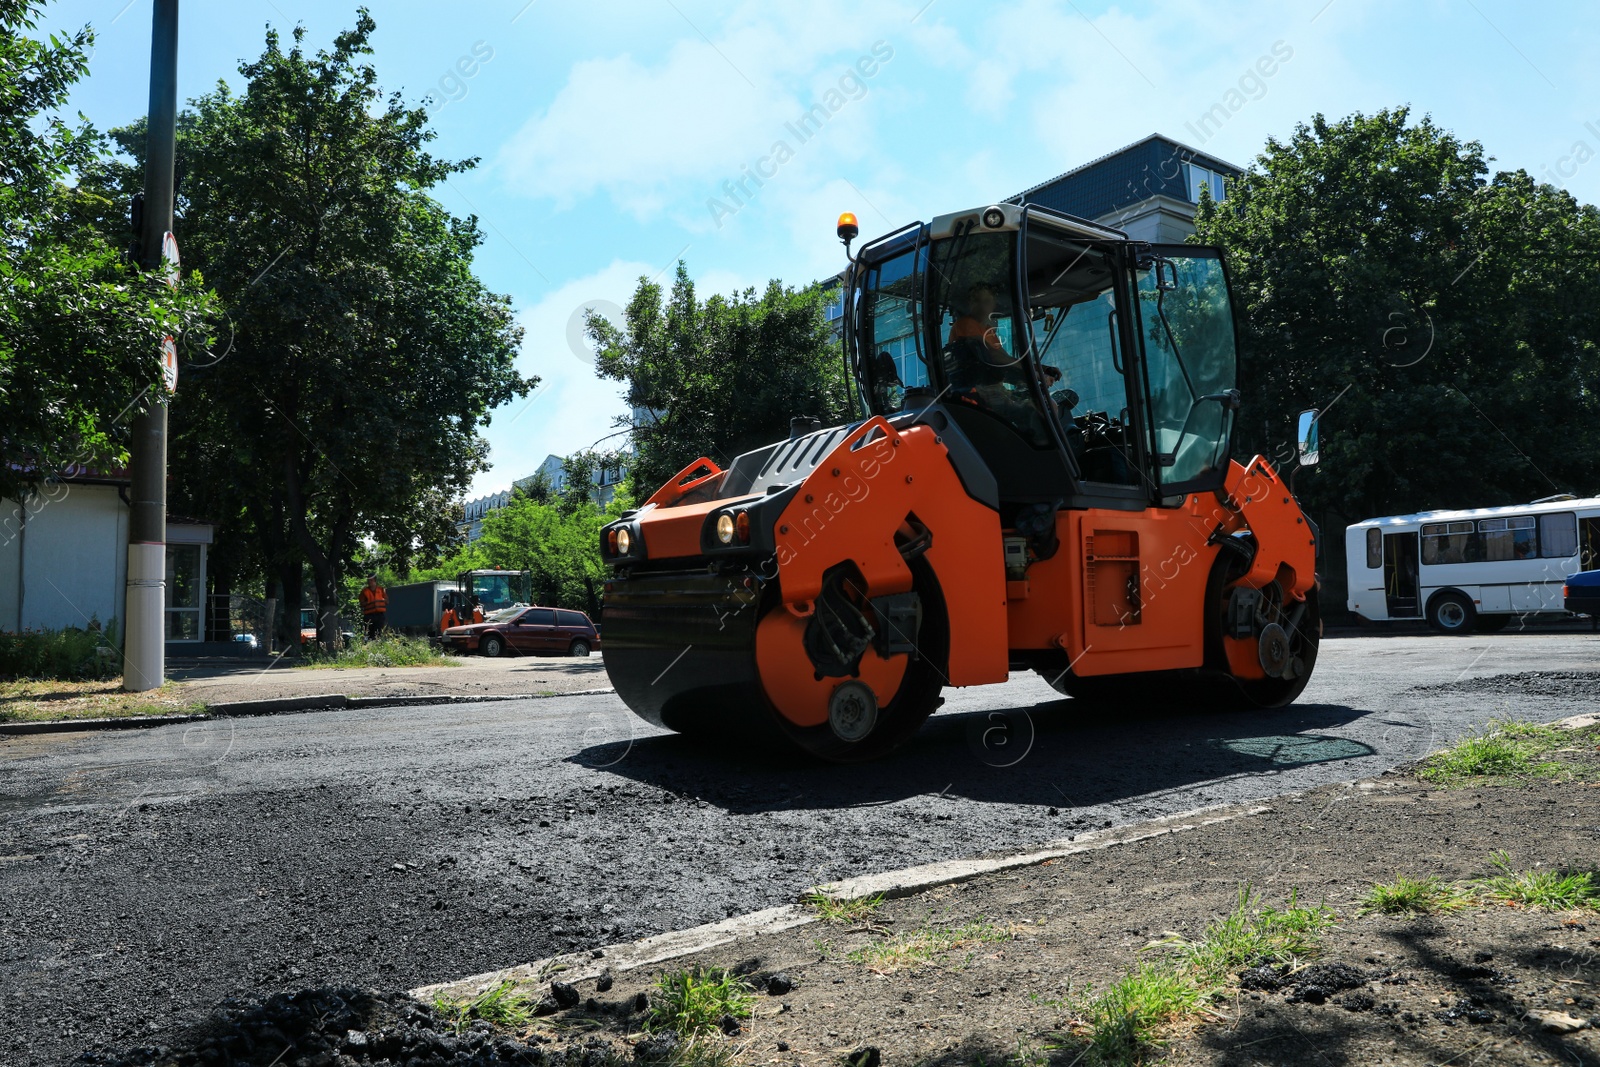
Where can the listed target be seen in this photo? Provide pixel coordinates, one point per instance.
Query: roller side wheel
(1304, 639)
(1295, 648)
(860, 729)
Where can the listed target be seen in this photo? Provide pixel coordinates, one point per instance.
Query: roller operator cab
(1042, 480)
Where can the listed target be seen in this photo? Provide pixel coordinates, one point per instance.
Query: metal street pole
(145, 653)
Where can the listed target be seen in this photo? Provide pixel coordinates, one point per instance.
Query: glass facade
(185, 590)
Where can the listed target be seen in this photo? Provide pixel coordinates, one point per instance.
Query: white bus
(1470, 570)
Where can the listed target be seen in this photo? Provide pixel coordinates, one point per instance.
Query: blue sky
(611, 132)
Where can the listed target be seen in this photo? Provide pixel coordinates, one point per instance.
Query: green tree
(80, 329)
(1447, 320)
(558, 541)
(719, 377)
(362, 354)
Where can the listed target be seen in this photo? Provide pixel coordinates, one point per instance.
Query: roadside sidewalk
(221, 682)
(199, 688)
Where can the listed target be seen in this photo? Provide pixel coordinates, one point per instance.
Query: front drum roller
(710, 656)
(851, 719)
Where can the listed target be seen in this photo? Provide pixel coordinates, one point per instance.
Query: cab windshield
(982, 346)
(1024, 371)
(494, 591)
(975, 351)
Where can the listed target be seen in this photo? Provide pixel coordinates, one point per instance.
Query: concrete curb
(240, 709)
(577, 966)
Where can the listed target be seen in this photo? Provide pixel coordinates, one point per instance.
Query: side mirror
(1308, 438)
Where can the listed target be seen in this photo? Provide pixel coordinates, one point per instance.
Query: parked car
(1581, 594)
(524, 631)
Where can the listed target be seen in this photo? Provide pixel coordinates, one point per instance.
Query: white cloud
(572, 407)
(673, 130)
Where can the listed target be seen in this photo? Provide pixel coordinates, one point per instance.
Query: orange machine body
(1124, 592)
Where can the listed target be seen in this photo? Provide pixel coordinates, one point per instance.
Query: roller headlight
(725, 528)
(624, 541)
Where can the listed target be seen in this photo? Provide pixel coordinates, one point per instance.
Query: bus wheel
(1451, 613)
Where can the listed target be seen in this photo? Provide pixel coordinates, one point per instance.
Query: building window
(1196, 175)
(185, 584)
(834, 308)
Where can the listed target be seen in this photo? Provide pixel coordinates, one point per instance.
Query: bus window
(1508, 539)
(1558, 535)
(1374, 549)
(1450, 542)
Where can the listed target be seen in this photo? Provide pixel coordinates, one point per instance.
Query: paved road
(146, 875)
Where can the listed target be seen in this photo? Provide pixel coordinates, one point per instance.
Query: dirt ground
(1451, 989)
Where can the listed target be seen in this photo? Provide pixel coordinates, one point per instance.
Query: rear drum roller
(1271, 668)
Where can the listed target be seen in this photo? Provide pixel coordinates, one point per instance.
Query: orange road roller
(1040, 478)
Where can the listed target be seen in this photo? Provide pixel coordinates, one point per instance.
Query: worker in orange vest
(448, 619)
(477, 610)
(374, 606)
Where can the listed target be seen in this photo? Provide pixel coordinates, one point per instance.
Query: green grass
(692, 1002)
(57, 701)
(1414, 896)
(845, 912)
(924, 944)
(506, 1006)
(72, 654)
(1124, 1025)
(1549, 890)
(1502, 751)
(1252, 934)
(387, 650)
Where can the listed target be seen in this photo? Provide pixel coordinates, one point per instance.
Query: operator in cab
(978, 323)
(980, 368)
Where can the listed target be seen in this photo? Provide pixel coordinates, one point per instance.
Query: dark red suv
(527, 631)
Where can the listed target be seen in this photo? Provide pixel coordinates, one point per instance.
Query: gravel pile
(1569, 684)
(345, 1027)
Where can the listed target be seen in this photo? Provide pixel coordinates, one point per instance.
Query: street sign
(169, 363)
(169, 347)
(169, 258)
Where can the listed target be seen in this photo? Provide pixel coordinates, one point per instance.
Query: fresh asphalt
(147, 875)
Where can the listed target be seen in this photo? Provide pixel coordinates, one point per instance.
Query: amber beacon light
(848, 229)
